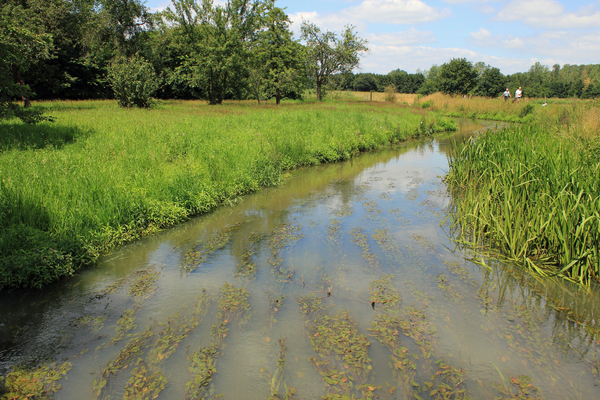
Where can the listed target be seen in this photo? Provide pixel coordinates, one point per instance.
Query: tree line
(244, 49)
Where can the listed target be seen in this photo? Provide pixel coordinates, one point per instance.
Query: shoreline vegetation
(101, 176)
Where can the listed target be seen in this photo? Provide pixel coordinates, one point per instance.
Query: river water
(342, 281)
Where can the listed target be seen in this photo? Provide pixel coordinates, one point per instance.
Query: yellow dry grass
(402, 98)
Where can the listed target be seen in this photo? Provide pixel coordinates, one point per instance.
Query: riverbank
(101, 176)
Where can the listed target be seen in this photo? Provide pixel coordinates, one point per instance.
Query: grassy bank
(533, 193)
(101, 176)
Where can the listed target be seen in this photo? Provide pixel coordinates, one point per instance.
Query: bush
(390, 93)
(133, 81)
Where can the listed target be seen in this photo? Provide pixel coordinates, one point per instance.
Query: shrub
(133, 81)
(390, 93)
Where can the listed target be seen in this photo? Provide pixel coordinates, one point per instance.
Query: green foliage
(458, 76)
(133, 81)
(327, 54)
(491, 83)
(536, 198)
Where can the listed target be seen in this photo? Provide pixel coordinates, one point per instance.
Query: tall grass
(102, 176)
(533, 195)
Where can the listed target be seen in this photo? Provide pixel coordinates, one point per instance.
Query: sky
(413, 35)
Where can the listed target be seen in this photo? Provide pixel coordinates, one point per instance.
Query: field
(101, 176)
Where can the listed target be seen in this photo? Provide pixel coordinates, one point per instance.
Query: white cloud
(483, 38)
(405, 12)
(410, 37)
(549, 14)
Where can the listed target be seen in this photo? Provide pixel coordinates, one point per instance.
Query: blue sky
(415, 34)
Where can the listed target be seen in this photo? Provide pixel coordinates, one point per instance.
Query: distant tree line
(195, 49)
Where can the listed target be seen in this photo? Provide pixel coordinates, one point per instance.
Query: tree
(277, 59)
(491, 83)
(458, 76)
(21, 43)
(364, 83)
(215, 43)
(327, 54)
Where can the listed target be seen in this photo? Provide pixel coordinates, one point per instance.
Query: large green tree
(491, 82)
(215, 43)
(22, 42)
(458, 76)
(329, 54)
(277, 60)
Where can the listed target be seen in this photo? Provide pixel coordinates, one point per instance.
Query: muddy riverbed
(341, 282)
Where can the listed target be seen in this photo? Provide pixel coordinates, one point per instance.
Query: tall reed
(528, 193)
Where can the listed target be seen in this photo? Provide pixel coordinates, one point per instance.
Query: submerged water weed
(203, 251)
(519, 388)
(134, 348)
(142, 385)
(39, 383)
(333, 231)
(247, 268)
(448, 383)
(384, 294)
(233, 306)
(444, 284)
(342, 356)
(424, 242)
(283, 236)
(345, 210)
(373, 210)
(397, 213)
(359, 238)
(145, 284)
(460, 272)
(94, 324)
(276, 380)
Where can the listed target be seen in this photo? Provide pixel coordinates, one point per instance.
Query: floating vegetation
(397, 213)
(142, 385)
(276, 380)
(95, 324)
(359, 238)
(247, 268)
(372, 208)
(333, 231)
(447, 383)
(413, 194)
(142, 288)
(383, 294)
(40, 383)
(134, 348)
(145, 284)
(520, 388)
(424, 242)
(233, 306)
(342, 356)
(345, 210)
(385, 196)
(203, 251)
(285, 235)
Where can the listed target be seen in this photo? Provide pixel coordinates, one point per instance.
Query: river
(342, 281)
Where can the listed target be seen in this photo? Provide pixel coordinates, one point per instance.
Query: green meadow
(101, 176)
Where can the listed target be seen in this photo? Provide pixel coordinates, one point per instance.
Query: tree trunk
(318, 91)
(22, 90)
(277, 96)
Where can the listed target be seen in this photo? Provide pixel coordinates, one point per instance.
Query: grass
(101, 176)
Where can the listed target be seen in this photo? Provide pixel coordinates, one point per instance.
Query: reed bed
(528, 193)
(101, 176)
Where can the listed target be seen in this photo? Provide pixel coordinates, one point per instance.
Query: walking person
(506, 94)
(518, 94)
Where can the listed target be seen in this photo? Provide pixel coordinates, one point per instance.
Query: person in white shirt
(506, 94)
(518, 94)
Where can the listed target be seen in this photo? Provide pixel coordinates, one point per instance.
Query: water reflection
(342, 260)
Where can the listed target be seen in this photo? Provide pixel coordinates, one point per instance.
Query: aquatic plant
(39, 383)
(529, 196)
(233, 306)
(202, 251)
(359, 238)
